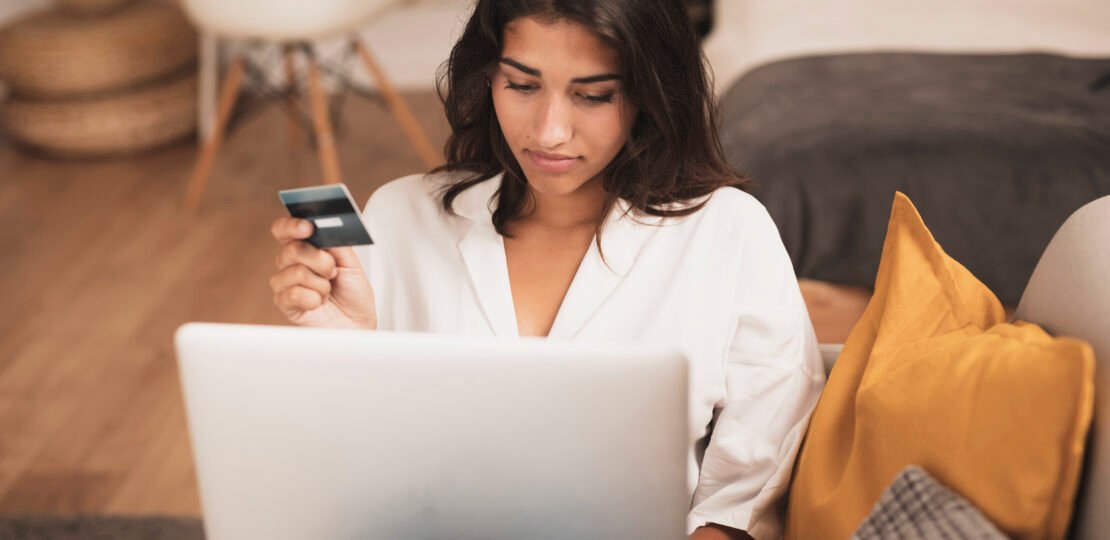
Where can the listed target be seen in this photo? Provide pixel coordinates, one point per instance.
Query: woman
(585, 197)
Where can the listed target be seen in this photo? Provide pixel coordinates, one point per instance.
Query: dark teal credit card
(332, 210)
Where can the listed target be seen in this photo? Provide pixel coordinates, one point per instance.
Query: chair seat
(284, 21)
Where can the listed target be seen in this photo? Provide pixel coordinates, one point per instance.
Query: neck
(579, 209)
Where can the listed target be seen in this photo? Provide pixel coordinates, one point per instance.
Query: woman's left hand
(713, 531)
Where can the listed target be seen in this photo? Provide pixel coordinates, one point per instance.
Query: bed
(996, 150)
(935, 98)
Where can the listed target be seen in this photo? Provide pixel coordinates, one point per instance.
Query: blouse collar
(483, 251)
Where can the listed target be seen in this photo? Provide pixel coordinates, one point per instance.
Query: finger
(285, 229)
(345, 257)
(298, 298)
(298, 252)
(300, 275)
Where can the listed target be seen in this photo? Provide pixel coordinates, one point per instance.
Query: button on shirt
(716, 284)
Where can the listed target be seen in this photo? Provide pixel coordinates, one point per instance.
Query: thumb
(345, 257)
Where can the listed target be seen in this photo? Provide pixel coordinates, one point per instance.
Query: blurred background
(142, 143)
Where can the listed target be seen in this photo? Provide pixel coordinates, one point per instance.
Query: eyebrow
(579, 80)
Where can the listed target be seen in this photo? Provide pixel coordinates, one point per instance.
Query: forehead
(558, 48)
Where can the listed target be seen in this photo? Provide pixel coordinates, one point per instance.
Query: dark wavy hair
(673, 155)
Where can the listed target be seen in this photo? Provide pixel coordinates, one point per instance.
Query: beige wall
(751, 32)
(9, 9)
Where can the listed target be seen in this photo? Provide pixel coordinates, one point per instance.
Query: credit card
(332, 210)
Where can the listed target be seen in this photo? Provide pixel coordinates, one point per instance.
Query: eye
(594, 100)
(522, 88)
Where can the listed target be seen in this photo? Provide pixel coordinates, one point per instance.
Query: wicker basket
(87, 8)
(124, 123)
(50, 54)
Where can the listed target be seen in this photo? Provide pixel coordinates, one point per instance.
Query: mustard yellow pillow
(933, 376)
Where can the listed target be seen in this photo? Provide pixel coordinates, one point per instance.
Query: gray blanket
(995, 151)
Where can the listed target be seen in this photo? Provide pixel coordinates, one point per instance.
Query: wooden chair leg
(203, 169)
(292, 100)
(207, 80)
(325, 140)
(400, 109)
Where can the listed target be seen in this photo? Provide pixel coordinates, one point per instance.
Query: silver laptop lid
(308, 433)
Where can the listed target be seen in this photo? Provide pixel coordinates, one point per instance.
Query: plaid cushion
(917, 506)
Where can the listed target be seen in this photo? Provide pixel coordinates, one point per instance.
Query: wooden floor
(101, 265)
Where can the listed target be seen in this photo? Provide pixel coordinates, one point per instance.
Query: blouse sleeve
(372, 258)
(773, 376)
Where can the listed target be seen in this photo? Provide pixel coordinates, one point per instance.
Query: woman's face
(558, 99)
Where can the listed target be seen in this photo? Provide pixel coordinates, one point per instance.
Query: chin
(553, 185)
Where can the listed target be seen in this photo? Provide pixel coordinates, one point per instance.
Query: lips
(550, 162)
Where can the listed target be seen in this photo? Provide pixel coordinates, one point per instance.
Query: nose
(556, 125)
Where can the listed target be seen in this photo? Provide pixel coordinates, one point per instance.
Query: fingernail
(304, 228)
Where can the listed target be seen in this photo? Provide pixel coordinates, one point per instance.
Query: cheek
(510, 114)
(609, 132)
(499, 109)
(628, 114)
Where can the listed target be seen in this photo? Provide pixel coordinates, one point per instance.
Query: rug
(18, 527)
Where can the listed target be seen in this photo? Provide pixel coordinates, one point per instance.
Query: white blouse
(717, 284)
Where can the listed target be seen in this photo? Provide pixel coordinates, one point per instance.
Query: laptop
(310, 433)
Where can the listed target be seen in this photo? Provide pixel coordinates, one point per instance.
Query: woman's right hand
(319, 287)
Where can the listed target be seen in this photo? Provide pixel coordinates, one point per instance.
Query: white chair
(1069, 295)
(292, 24)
